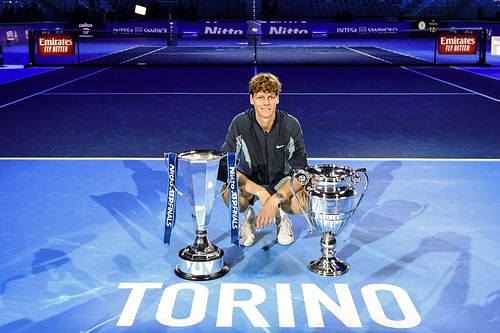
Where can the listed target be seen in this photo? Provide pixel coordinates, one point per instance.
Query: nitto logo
(286, 31)
(222, 31)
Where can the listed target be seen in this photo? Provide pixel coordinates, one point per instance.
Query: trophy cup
(329, 193)
(195, 180)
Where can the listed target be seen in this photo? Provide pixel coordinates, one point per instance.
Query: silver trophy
(329, 193)
(197, 175)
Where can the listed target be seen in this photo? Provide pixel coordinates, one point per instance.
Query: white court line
(198, 53)
(145, 93)
(108, 54)
(451, 84)
(404, 54)
(367, 55)
(476, 73)
(101, 324)
(245, 93)
(409, 159)
(54, 87)
(142, 55)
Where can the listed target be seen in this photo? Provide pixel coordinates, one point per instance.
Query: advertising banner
(285, 27)
(56, 45)
(495, 45)
(146, 28)
(86, 30)
(18, 33)
(457, 44)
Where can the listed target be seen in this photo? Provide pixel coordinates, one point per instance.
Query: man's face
(265, 104)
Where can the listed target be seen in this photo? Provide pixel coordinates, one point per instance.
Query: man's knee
(294, 204)
(244, 197)
(225, 194)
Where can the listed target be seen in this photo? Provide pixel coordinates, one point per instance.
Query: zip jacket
(266, 158)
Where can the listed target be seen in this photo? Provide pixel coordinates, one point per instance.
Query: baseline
(451, 84)
(54, 87)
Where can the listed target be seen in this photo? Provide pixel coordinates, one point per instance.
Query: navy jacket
(265, 158)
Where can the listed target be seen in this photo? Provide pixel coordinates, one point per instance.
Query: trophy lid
(201, 155)
(330, 172)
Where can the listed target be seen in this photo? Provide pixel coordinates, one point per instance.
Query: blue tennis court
(83, 252)
(352, 112)
(83, 196)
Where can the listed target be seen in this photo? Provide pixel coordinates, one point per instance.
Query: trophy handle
(227, 182)
(165, 158)
(302, 182)
(364, 172)
(222, 192)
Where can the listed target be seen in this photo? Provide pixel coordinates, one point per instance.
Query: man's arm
(298, 160)
(271, 206)
(249, 188)
(230, 140)
(284, 193)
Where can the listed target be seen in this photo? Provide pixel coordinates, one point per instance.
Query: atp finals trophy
(193, 175)
(329, 195)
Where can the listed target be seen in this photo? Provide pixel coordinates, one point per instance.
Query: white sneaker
(284, 230)
(247, 231)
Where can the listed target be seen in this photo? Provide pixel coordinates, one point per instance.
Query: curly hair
(264, 82)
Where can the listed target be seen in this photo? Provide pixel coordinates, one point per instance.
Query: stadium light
(141, 10)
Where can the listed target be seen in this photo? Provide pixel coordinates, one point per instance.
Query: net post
(171, 31)
(482, 50)
(77, 38)
(436, 37)
(31, 47)
(255, 50)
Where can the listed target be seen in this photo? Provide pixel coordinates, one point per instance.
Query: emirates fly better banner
(457, 44)
(56, 45)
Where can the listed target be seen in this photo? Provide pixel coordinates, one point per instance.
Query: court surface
(344, 111)
(82, 203)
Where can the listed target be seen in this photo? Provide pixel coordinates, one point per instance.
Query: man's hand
(269, 210)
(263, 195)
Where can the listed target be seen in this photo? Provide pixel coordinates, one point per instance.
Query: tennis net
(463, 46)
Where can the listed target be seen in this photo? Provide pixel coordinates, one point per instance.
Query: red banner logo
(457, 44)
(56, 45)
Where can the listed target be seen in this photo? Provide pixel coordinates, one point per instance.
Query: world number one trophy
(329, 195)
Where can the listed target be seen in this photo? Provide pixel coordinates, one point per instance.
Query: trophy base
(328, 266)
(201, 277)
(204, 263)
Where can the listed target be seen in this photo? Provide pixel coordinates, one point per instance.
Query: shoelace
(280, 219)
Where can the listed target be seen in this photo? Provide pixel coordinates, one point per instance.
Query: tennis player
(269, 144)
